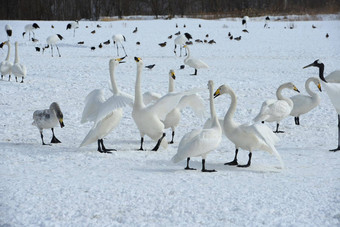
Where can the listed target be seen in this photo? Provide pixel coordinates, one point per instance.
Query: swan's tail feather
(277, 155)
(176, 158)
(89, 138)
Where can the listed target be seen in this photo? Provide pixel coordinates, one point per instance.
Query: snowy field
(64, 185)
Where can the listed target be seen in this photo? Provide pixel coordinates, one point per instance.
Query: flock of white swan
(153, 113)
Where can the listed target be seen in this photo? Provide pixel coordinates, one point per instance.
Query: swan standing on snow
(246, 136)
(18, 69)
(106, 114)
(52, 40)
(30, 28)
(119, 38)
(193, 62)
(200, 142)
(181, 40)
(73, 25)
(277, 110)
(149, 119)
(49, 118)
(8, 30)
(304, 103)
(6, 65)
(331, 84)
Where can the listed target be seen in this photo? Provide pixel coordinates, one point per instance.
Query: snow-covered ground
(63, 185)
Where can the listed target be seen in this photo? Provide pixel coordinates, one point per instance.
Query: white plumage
(305, 103)
(53, 40)
(8, 30)
(200, 142)
(105, 113)
(18, 69)
(277, 110)
(194, 62)
(73, 25)
(119, 38)
(48, 118)
(6, 65)
(181, 41)
(29, 28)
(249, 137)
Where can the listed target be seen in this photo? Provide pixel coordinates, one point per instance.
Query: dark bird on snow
(178, 33)
(182, 67)
(229, 34)
(150, 66)
(98, 26)
(94, 31)
(52, 26)
(245, 30)
(199, 25)
(93, 48)
(81, 42)
(327, 35)
(188, 43)
(231, 37)
(162, 44)
(205, 41)
(176, 25)
(134, 31)
(207, 35)
(37, 49)
(212, 41)
(170, 37)
(198, 41)
(100, 45)
(184, 26)
(137, 43)
(313, 26)
(34, 40)
(107, 42)
(238, 38)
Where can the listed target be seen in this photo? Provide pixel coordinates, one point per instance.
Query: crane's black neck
(321, 69)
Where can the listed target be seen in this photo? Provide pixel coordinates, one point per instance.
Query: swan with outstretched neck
(18, 69)
(6, 65)
(194, 62)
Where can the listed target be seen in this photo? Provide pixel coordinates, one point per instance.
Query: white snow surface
(63, 185)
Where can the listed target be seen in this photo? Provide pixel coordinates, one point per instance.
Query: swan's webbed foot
(158, 143)
(55, 140)
(279, 131)
(243, 166)
(102, 148)
(206, 170)
(48, 144)
(187, 167)
(195, 74)
(172, 138)
(336, 149)
(171, 142)
(249, 161)
(232, 163)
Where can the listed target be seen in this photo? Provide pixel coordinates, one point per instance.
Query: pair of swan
(304, 103)
(277, 110)
(194, 62)
(249, 137)
(200, 142)
(331, 84)
(105, 113)
(48, 118)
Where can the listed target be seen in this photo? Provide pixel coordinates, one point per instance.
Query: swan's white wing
(149, 97)
(303, 104)
(333, 77)
(110, 105)
(208, 123)
(196, 63)
(272, 108)
(6, 67)
(19, 69)
(333, 91)
(195, 102)
(93, 102)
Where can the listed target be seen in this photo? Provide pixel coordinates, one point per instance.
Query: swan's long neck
(138, 93)
(214, 118)
(188, 50)
(171, 84)
(113, 80)
(321, 69)
(8, 51)
(281, 97)
(307, 86)
(16, 59)
(231, 111)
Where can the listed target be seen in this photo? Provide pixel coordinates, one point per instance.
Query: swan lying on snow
(200, 142)
(48, 118)
(246, 136)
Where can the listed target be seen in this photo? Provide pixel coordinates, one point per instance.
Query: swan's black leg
(22, 79)
(52, 50)
(297, 120)
(9, 77)
(54, 139)
(175, 49)
(277, 129)
(187, 167)
(204, 169)
(2, 77)
(158, 143)
(16, 79)
(249, 161)
(234, 162)
(338, 148)
(172, 137)
(141, 144)
(42, 138)
(103, 149)
(194, 73)
(58, 50)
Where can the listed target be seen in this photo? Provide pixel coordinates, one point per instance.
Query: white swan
(331, 84)
(30, 28)
(181, 40)
(73, 25)
(52, 40)
(105, 113)
(193, 62)
(6, 65)
(304, 103)
(48, 118)
(249, 137)
(277, 110)
(200, 142)
(119, 38)
(18, 69)
(149, 119)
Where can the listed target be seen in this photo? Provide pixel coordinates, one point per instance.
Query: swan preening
(6, 65)
(48, 118)
(29, 28)
(105, 113)
(277, 110)
(249, 137)
(181, 40)
(193, 62)
(18, 69)
(73, 25)
(305, 103)
(52, 40)
(200, 142)
(119, 38)
(330, 84)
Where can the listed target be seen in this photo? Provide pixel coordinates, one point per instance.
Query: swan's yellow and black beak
(173, 75)
(185, 46)
(137, 59)
(295, 89)
(217, 93)
(2, 44)
(319, 86)
(120, 60)
(61, 122)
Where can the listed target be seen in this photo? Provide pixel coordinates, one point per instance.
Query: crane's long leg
(123, 49)
(180, 50)
(52, 50)
(175, 49)
(338, 148)
(234, 162)
(187, 167)
(58, 50)
(117, 49)
(172, 137)
(54, 139)
(204, 169)
(158, 143)
(249, 161)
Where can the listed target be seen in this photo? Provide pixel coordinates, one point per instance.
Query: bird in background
(150, 66)
(30, 28)
(9, 31)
